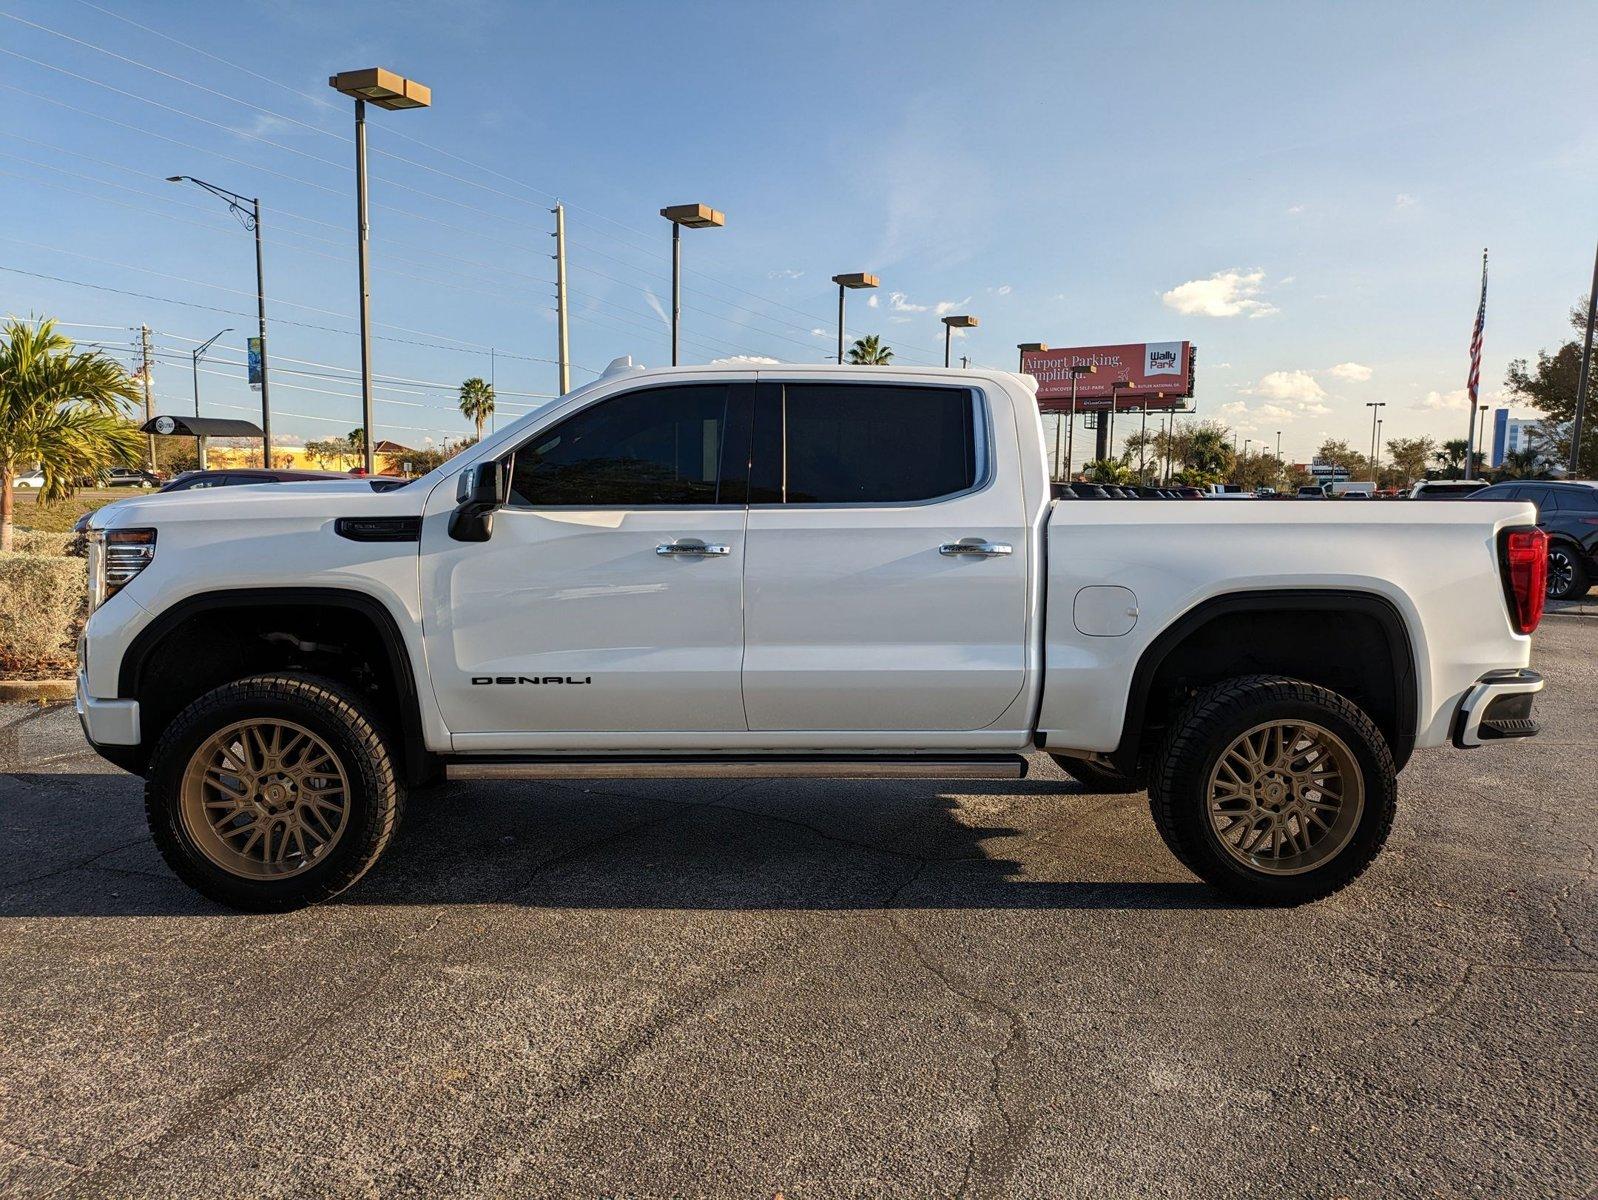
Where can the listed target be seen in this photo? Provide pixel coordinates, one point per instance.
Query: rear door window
(863, 443)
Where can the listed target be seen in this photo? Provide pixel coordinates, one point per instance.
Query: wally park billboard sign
(1138, 375)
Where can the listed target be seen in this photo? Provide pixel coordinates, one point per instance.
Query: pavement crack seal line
(1015, 1127)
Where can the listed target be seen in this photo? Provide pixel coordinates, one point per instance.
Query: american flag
(1476, 336)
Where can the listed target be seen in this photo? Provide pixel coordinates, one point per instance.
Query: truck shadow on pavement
(79, 847)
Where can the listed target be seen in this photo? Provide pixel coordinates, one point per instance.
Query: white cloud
(1274, 412)
(660, 311)
(785, 273)
(1224, 294)
(1299, 387)
(1352, 371)
(871, 300)
(819, 332)
(944, 307)
(1403, 200)
(1235, 407)
(1294, 210)
(1005, 289)
(1445, 401)
(900, 302)
(1314, 409)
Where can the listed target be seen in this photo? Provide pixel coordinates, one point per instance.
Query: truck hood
(265, 501)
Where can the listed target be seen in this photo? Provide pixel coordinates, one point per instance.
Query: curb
(43, 691)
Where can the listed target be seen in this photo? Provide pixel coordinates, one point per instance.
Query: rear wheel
(272, 793)
(1274, 790)
(1567, 574)
(1105, 781)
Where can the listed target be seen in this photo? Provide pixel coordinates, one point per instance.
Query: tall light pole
(1281, 467)
(1482, 425)
(248, 211)
(1376, 467)
(1376, 407)
(950, 324)
(1115, 402)
(386, 90)
(1022, 350)
(694, 216)
(845, 283)
(199, 351)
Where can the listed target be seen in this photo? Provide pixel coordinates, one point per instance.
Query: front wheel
(1274, 790)
(272, 793)
(1567, 574)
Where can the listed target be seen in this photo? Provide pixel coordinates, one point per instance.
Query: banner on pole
(253, 350)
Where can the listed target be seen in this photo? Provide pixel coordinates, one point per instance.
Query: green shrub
(42, 598)
(29, 541)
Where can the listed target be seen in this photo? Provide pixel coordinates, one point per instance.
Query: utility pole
(1586, 375)
(560, 295)
(363, 228)
(1376, 407)
(149, 387)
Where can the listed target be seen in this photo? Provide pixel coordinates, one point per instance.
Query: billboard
(1155, 375)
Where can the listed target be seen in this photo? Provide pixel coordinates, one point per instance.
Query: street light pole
(199, 439)
(859, 279)
(1077, 371)
(386, 90)
(950, 324)
(1376, 407)
(250, 218)
(694, 216)
(1586, 374)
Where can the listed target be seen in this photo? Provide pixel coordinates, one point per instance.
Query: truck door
(609, 598)
(886, 576)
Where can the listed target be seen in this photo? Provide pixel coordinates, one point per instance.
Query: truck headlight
(116, 556)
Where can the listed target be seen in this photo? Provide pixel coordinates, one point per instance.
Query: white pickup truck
(789, 571)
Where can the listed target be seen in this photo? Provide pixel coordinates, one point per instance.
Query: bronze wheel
(265, 799)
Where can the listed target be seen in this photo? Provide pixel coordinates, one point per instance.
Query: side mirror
(478, 493)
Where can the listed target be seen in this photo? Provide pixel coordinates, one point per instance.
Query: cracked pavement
(819, 989)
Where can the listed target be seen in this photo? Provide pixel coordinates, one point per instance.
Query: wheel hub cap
(265, 799)
(1285, 797)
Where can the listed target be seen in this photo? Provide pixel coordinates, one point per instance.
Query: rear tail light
(1523, 555)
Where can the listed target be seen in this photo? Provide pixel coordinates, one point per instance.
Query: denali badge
(480, 680)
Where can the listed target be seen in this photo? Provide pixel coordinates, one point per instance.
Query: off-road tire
(337, 717)
(1104, 781)
(1201, 733)
(1579, 581)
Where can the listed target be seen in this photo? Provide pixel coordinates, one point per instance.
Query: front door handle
(692, 548)
(975, 548)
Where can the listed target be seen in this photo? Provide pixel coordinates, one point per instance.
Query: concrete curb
(44, 691)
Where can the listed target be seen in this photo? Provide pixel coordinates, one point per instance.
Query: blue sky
(1303, 191)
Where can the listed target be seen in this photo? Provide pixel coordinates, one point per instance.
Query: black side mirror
(478, 493)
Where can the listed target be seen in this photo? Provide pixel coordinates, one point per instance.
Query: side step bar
(910, 766)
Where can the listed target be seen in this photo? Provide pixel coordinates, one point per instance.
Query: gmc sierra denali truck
(789, 571)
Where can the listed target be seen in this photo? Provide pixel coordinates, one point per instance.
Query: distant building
(1325, 472)
(1511, 435)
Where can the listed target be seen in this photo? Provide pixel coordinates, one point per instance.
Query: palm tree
(1451, 457)
(66, 412)
(477, 402)
(1521, 464)
(870, 352)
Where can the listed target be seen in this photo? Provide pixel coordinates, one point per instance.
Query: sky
(1302, 191)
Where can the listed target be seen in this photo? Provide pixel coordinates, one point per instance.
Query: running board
(916, 766)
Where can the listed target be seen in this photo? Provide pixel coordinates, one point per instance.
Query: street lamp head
(1031, 347)
(383, 88)
(176, 178)
(694, 216)
(858, 280)
(961, 322)
(1080, 369)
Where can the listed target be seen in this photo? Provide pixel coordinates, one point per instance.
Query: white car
(33, 480)
(777, 571)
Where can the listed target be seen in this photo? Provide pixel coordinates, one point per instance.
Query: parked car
(1567, 511)
(240, 476)
(795, 571)
(1311, 491)
(32, 481)
(131, 477)
(1446, 489)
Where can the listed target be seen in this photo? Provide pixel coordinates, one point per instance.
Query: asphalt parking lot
(647, 989)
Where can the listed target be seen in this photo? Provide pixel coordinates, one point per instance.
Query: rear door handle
(975, 548)
(692, 548)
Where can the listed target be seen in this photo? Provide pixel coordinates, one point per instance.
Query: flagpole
(1475, 370)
